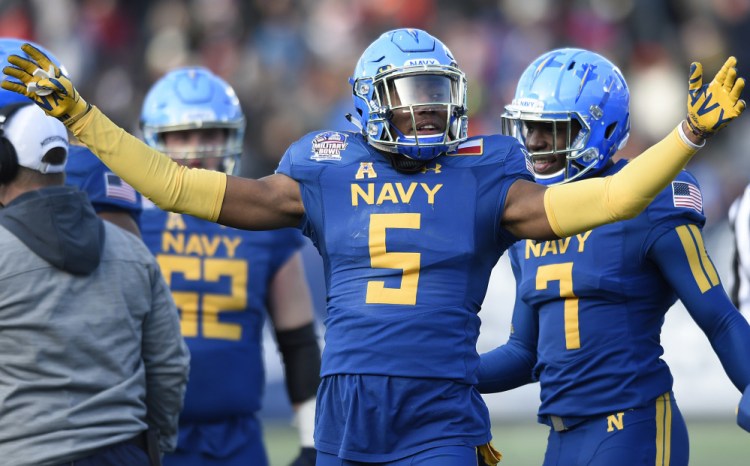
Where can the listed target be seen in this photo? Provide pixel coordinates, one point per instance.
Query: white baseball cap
(33, 134)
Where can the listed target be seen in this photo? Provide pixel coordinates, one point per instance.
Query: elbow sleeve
(301, 354)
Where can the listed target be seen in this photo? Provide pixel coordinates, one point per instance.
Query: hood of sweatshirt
(59, 224)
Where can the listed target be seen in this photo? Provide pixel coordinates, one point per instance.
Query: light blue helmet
(194, 98)
(390, 77)
(567, 85)
(12, 46)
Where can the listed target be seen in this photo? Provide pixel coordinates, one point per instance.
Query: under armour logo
(436, 168)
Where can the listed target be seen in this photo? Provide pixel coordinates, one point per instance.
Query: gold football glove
(712, 106)
(44, 83)
(487, 455)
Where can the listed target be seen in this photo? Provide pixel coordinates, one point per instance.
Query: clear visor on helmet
(422, 89)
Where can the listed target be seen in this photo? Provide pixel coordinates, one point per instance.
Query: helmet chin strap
(350, 118)
(400, 162)
(403, 164)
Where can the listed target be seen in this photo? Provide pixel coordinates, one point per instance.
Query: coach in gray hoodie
(91, 355)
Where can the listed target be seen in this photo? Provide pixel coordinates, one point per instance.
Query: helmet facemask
(417, 111)
(219, 147)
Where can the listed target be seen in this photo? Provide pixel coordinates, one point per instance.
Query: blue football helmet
(193, 98)
(405, 74)
(11, 46)
(572, 85)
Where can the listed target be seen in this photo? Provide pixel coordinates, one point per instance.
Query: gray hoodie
(90, 346)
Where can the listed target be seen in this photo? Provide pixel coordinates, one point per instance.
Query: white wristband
(687, 141)
(304, 421)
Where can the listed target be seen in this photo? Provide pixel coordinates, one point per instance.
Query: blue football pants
(452, 455)
(653, 435)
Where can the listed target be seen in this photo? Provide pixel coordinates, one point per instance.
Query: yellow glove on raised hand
(44, 83)
(712, 106)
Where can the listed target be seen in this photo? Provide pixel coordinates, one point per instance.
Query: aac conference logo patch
(328, 146)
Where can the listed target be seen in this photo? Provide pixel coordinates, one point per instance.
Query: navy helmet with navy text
(405, 72)
(584, 91)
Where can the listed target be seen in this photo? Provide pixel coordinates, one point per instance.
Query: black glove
(307, 457)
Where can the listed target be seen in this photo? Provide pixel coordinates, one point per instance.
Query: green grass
(712, 443)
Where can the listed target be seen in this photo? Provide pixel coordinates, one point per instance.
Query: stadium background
(289, 62)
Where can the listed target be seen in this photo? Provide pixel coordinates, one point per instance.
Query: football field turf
(712, 443)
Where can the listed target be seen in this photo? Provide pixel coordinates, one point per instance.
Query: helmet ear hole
(610, 130)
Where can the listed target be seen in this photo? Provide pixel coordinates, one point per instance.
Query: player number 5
(408, 262)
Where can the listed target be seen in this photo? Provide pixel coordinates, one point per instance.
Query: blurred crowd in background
(289, 60)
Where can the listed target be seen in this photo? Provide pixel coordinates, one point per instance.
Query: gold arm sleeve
(169, 185)
(582, 205)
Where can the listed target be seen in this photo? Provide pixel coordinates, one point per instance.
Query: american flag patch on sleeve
(118, 189)
(687, 195)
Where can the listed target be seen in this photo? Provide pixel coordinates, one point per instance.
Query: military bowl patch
(328, 145)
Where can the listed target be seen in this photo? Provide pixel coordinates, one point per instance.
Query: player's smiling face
(542, 137)
(420, 91)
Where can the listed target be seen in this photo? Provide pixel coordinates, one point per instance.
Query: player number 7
(563, 273)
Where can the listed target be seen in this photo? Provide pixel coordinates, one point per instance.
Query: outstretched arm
(272, 202)
(531, 211)
(685, 264)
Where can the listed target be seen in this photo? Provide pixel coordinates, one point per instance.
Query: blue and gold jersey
(219, 278)
(407, 259)
(590, 308)
(107, 191)
(407, 256)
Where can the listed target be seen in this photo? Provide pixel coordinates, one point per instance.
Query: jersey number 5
(408, 262)
(563, 273)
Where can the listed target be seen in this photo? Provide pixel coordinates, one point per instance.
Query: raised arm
(269, 203)
(536, 212)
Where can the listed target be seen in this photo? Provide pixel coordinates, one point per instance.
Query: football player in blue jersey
(410, 215)
(589, 307)
(224, 282)
(83, 170)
